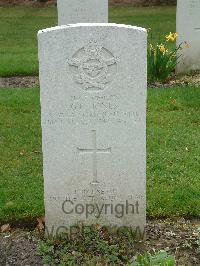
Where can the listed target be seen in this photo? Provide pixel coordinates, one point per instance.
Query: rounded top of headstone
(79, 25)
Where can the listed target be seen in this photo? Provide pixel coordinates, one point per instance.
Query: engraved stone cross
(94, 151)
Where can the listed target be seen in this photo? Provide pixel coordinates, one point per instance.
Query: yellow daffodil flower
(171, 37)
(187, 45)
(175, 35)
(162, 48)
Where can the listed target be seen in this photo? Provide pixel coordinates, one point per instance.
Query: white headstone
(93, 103)
(82, 11)
(188, 28)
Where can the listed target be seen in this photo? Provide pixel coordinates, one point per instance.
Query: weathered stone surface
(93, 102)
(82, 11)
(188, 28)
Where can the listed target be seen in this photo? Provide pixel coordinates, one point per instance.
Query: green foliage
(162, 59)
(95, 245)
(160, 258)
(89, 245)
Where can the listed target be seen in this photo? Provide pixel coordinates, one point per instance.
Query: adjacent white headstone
(82, 11)
(93, 102)
(188, 28)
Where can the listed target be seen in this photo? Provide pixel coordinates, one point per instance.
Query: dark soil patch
(177, 237)
(192, 79)
(19, 248)
(19, 82)
(33, 81)
(32, 3)
(44, 3)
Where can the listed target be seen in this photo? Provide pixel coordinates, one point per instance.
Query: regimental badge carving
(93, 66)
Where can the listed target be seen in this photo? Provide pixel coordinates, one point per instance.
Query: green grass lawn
(173, 137)
(19, 26)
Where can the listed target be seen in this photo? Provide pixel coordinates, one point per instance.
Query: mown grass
(21, 182)
(173, 128)
(19, 27)
(173, 137)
